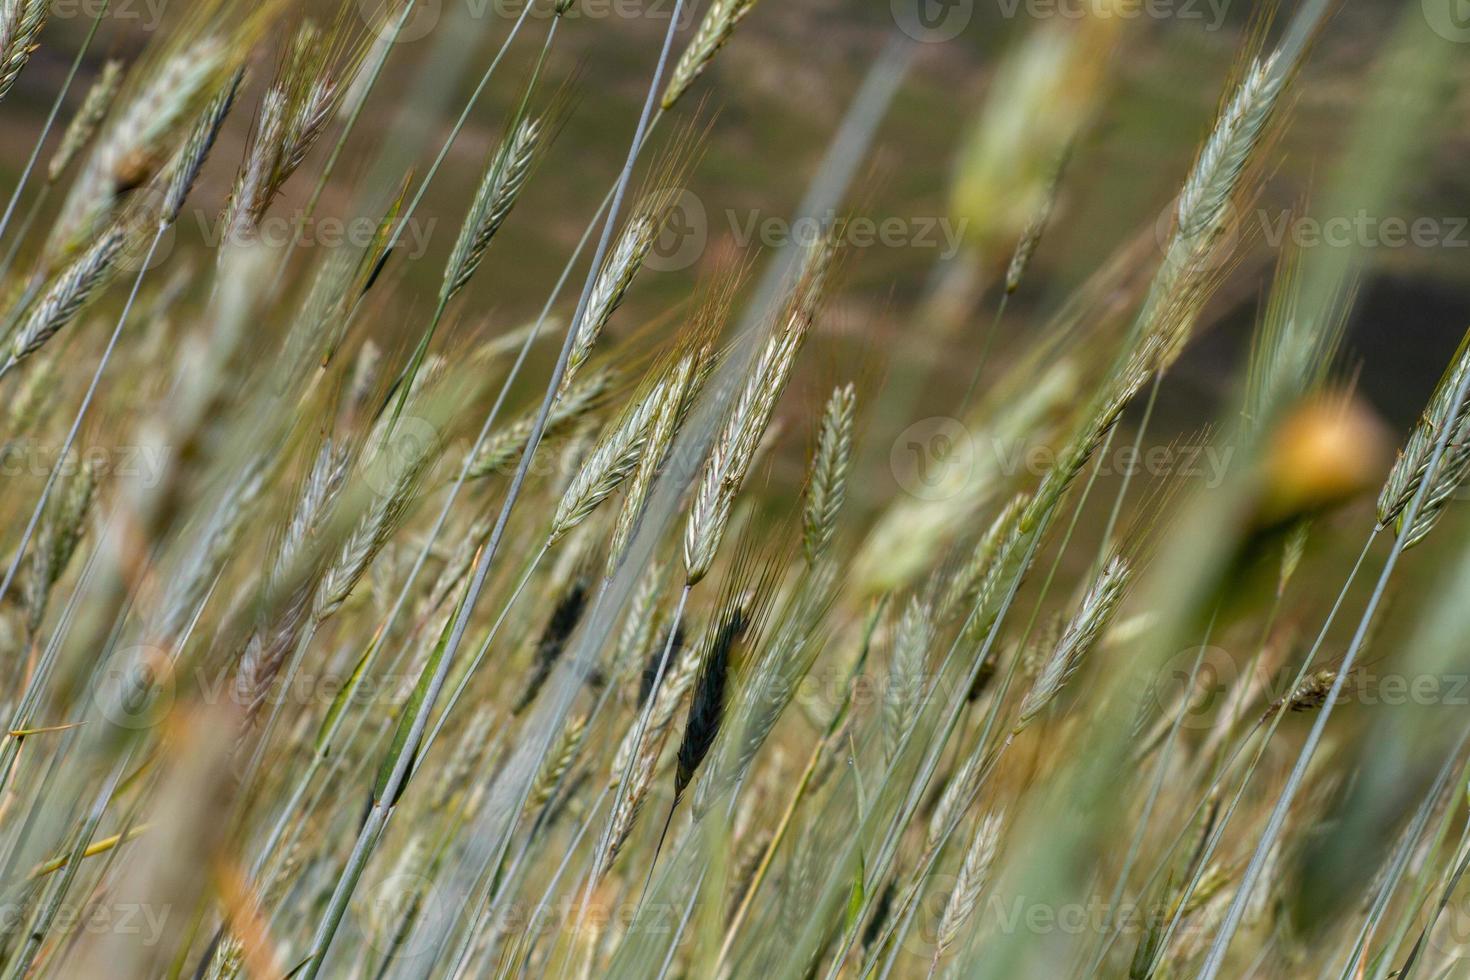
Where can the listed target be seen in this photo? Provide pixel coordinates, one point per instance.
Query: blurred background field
(770, 105)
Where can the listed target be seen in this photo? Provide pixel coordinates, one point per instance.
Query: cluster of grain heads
(293, 112)
(66, 297)
(61, 532)
(499, 189)
(826, 489)
(714, 32)
(1409, 471)
(735, 445)
(612, 283)
(693, 361)
(278, 544)
(134, 145)
(1091, 618)
(88, 118)
(20, 24)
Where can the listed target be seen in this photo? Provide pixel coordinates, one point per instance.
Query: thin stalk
(335, 156)
(76, 64)
(1461, 866)
(474, 662)
(838, 719)
(399, 774)
(531, 930)
(1224, 820)
(1398, 865)
(454, 132)
(1426, 878)
(640, 729)
(30, 698)
(1148, 413)
(1216, 957)
(1161, 768)
(20, 964)
(914, 797)
(25, 226)
(1000, 312)
(1216, 777)
(683, 924)
(76, 424)
(743, 909)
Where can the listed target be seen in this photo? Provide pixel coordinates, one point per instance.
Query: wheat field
(455, 524)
